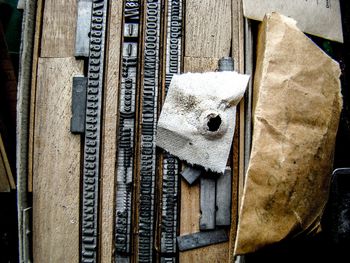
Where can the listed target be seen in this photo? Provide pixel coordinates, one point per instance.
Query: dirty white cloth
(197, 121)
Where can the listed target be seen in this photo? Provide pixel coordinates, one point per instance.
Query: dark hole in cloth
(214, 123)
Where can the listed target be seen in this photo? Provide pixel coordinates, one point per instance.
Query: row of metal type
(151, 53)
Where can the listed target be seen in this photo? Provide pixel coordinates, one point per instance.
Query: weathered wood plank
(190, 204)
(208, 28)
(109, 132)
(59, 23)
(56, 166)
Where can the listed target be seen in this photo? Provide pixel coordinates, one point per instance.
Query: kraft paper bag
(297, 105)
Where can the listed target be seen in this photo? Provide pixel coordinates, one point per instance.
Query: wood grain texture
(208, 28)
(190, 208)
(202, 64)
(59, 23)
(239, 139)
(109, 132)
(56, 168)
(36, 48)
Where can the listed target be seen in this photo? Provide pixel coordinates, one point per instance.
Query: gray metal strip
(207, 203)
(168, 259)
(82, 39)
(150, 69)
(22, 125)
(77, 124)
(91, 166)
(169, 222)
(201, 239)
(224, 198)
(126, 136)
(27, 215)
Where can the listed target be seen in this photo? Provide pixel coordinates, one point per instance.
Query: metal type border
(91, 169)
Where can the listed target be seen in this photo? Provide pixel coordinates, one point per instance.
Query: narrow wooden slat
(4, 182)
(109, 132)
(6, 164)
(190, 208)
(239, 143)
(36, 48)
(56, 167)
(59, 23)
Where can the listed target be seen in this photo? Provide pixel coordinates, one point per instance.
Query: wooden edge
(36, 51)
(109, 132)
(9, 174)
(189, 195)
(238, 156)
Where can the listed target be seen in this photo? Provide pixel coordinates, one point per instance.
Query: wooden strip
(56, 167)
(238, 144)
(7, 167)
(190, 208)
(208, 28)
(36, 48)
(59, 23)
(4, 183)
(109, 132)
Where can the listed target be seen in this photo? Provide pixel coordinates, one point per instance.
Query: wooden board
(56, 168)
(109, 132)
(190, 210)
(208, 28)
(59, 23)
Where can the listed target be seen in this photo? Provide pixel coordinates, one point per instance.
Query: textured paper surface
(193, 100)
(297, 104)
(317, 17)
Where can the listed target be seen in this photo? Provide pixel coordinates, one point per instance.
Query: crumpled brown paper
(297, 104)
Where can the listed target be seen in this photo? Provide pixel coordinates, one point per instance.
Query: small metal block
(226, 64)
(201, 239)
(207, 203)
(168, 259)
(82, 39)
(77, 124)
(191, 174)
(223, 198)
